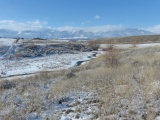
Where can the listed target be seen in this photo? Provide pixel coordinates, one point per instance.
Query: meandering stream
(90, 58)
(77, 63)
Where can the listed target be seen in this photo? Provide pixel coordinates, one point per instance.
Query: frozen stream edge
(49, 63)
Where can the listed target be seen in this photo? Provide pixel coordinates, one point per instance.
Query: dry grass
(132, 85)
(112, 58)
(137, 75)
(24, 96)
(93, 45)
(130, 40)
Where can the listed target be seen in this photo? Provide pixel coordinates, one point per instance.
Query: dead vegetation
(130, 40)
(129, 88)
(93, 45)
(112, 58)
(127, 81)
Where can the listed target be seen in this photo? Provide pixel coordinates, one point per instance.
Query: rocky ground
(78, 106)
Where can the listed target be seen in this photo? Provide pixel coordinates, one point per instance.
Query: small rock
(77, 116)
(69, 111)
(132, 112)
(144, 116)
(62, 100)
(73, 104)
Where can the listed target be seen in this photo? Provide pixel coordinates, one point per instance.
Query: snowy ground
(78, 106)
(48, 63)
(37, 64)
(125, 46)
(6, 41)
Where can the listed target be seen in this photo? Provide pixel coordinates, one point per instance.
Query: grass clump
(93, 45)
(112, 58)
(6, 84)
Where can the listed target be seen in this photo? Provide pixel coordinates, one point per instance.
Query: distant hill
(74, 34)
(130, 40)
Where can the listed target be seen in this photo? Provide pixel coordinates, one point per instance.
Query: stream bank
(94, 55)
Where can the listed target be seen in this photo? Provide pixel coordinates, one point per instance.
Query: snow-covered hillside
(80, 33)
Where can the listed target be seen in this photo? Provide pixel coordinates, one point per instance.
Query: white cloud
(40, 25)
(97, 17)
(92, 29)
(155, 29)
(21, 26)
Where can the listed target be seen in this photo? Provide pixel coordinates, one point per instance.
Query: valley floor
(38, 64)
(122, 84)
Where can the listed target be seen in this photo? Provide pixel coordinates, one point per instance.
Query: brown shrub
(112, 58)
(109, 47)
(93, 45)
(7, 85)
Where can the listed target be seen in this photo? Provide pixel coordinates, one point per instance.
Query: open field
(120, 84)
(38, 64)
(99, 89)
(20, 58)
(129, 46)
(131, 40)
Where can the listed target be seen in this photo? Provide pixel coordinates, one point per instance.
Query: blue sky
(80, 13)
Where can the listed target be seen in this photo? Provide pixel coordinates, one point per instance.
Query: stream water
(78, 63)
(90, 58)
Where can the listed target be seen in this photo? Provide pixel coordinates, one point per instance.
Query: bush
(112, 58)
(70, 74)
(93, 45)
(7, 85)
(109, 47)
